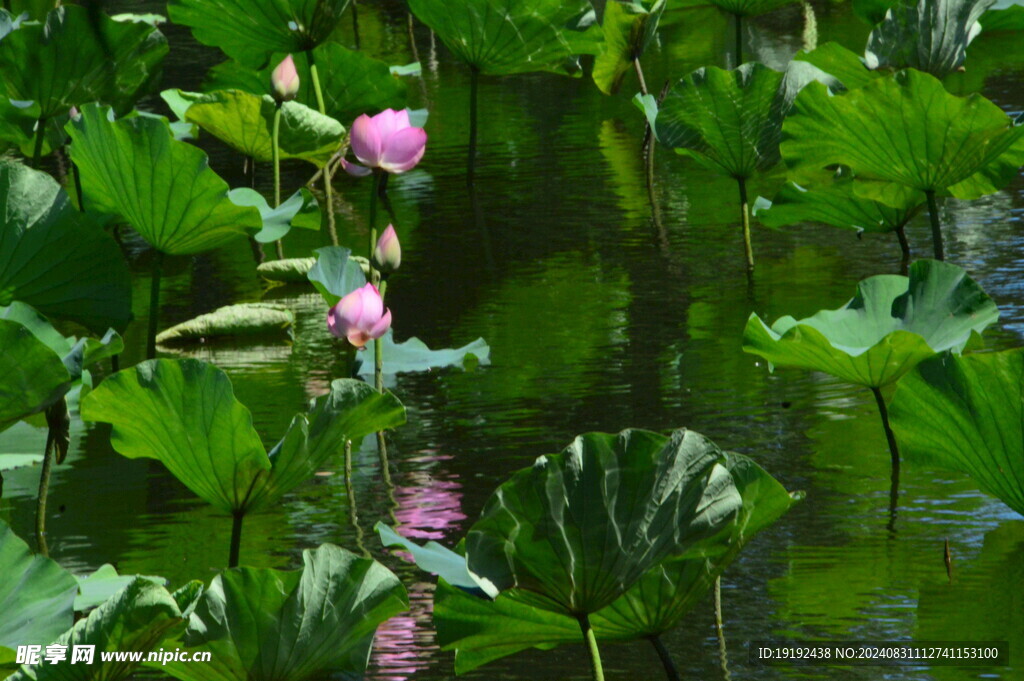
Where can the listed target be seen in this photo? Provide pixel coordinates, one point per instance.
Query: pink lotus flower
(285, 80)
(388, 253)
(387, 141)
(360, 316)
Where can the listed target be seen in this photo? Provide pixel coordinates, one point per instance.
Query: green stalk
(901, 236)
(933, 213)
(355, 23)
(745, 214)
(236, 538)
(44, 486)
(37, 153)
(328, 190)
(154, 305)
(591, 640)
(739, 39)
(350, 492)
(666, 659)
(474, 86)
(378, 350)
(276, 151)
(723, 658)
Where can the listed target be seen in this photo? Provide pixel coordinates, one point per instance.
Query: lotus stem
(739, 39)
(276, 152)
(77, 179)
(723, 653)
(901, 235)
(745, 215)
(115, 363)
(37, 152)
(933, 213)
(474, 87)
(666, 659)
(154, 304)
(236, 538)
(412, 37)
(355, 23)
(350, 493)
(894, 488)
(44, 487)
(591, 640)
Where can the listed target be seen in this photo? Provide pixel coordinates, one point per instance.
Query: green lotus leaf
(629, 27)
(931, 36)
(88, 283)
(335, 274)
(299, 210)
(18, 125)
(481, 630)
(271, 625)
(441, 561)
(184, 413)
(504, 37)
(242, 319)
(414, 355)
(252, 30)
(97, 588)
(890, 325)
(245, 122)
(36, 595)
(840, 63)
(78, 56)
(750, 8)
(35, 10)
(163, 188)
(352, 82)
(730, 121)
(838, 205)
(966, 414)
(288, 270)
(577, 530)
(903, 130)
(135, 619)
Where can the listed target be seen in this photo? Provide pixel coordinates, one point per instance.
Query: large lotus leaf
(136, 619)
(245, 122)
(903, 129)
(750, 8)
(577, 530)
(890, 325)
(931, 36)
(481, 630)
(243, 319)
(966, 414)
(352, 82)
(79, 56)
(838, 205)
(438, 560)
(350, 411)
(55, 258)
(298, 210)
(731, 121)
(183, 413)
(36, 595)
(845, 66)
(97, 587)
(251, 30)
(335, 274)
(270, 625)
(289, 270)
(629, 26)
(164, 188)
(503, 37)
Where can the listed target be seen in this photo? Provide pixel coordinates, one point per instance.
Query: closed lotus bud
(359, 317)
(388, 253)
(285, 80)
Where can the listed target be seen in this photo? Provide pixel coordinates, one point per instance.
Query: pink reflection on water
(429, 506)
(405, 643)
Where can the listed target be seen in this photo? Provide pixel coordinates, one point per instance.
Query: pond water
(598, 318)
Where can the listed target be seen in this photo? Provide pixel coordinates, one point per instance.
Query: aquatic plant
(629, 27)
(360, 316)
(387, 254)
(386, 142)
(747, 8)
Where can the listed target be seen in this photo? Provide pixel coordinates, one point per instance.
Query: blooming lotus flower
(360, 316)
(285, 80)
(388, 253)
(387, 141)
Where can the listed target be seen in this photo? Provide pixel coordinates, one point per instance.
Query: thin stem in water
(154, 304)
(933, 213)
(745, 215)
(666, 659)
(236, 538)
(901, 236)
(474, 87)
(350, 492)
(723, 653)
(591, 640)
(894, 452)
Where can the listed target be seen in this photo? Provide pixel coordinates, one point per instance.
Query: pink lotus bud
(359, 317)
(285, 80)
(387, 141)
(74, 113)
(388, 253)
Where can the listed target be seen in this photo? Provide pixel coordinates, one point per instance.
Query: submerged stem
(236, 538)
(474, 86)
(591, 640)
(666, 659)
(154, 304)
(745, 215)
(933, 213)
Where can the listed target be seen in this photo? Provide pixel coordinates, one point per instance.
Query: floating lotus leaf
(298, 210)
(245, 122)
(504, 37)
(184, 413)
(289, 270)
(731, 121)
(414, 355)
(481, 630)
(903, 130)
(629, 27)
(243, 319)
(251, 30)
(36, 596)
(931, 36)
(88, 283)
(891, 324)
(78, 56)
(352, 82)
(97, 588)
(135, 619)
(271, 625)
(966, 414)
(577, 530)
(750, 8)
(163, 188)
(838, 205)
